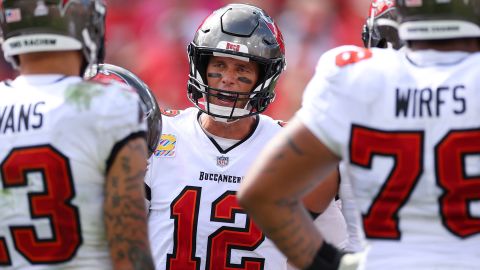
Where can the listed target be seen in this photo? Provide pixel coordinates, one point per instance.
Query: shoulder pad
(344, 55)
(340, 60)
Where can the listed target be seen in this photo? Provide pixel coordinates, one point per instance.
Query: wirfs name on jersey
(18, 118)
(427, 102)
(216, 177)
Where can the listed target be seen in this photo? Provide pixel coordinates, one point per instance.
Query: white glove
(351, 261)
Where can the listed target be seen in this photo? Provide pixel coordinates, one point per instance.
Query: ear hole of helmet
(198, 67)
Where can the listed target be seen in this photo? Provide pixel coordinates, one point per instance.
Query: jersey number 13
(53, 203)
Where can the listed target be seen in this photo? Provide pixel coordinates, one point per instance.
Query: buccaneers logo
(378, 7)
(275, 31)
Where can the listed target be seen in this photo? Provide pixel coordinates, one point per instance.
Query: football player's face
(231, 75)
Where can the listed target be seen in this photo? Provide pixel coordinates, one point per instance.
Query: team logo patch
(166, 146)
(222, 161)
(230, 46)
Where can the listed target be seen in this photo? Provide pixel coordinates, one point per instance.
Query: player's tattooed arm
(273, 189)
(124, 208)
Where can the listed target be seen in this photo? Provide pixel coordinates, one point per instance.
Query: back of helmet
(53, 25)
(435, 19)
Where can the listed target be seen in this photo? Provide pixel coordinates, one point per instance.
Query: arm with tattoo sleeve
(124, 208)
(272, 192)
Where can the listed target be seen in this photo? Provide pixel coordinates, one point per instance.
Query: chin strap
(224, 120)
(224, 111)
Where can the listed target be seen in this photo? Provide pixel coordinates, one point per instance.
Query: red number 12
(184, 210)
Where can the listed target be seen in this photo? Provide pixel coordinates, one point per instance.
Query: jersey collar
(426, 58)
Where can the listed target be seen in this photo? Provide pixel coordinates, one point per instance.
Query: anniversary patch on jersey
(166, 146)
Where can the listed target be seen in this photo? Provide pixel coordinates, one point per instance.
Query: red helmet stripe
(378, 7)
(278, 35)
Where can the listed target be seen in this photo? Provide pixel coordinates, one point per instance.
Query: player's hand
(351, 261)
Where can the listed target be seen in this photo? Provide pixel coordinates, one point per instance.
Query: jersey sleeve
(119, 118)
(329, 103)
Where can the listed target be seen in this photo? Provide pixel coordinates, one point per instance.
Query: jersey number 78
(406, 147)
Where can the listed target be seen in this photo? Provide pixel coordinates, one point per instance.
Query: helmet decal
(278, 35)
(13, 15)
(231, 46)
(63, 5)
(379, 7)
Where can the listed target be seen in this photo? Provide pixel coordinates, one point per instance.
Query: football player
(195, 222)
(377, 32)
(405, 125)
(73, 152)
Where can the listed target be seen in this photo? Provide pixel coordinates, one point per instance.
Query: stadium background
(150, 37)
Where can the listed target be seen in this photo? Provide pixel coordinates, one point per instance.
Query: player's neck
(237, 130)
(66, 63)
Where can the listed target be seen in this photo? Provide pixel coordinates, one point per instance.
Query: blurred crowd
(150, 37)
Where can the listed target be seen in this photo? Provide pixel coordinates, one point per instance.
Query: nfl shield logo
(222, 161)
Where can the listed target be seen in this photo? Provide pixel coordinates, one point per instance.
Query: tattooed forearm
(126, 164)
(124, 209)
(138, 148)
(294, 147)
(289, 233)
(282, 155)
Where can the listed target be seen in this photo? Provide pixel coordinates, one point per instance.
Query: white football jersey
(355, 238)
(407, 125)
(56, 137)
(331, 224)
(195, 221)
